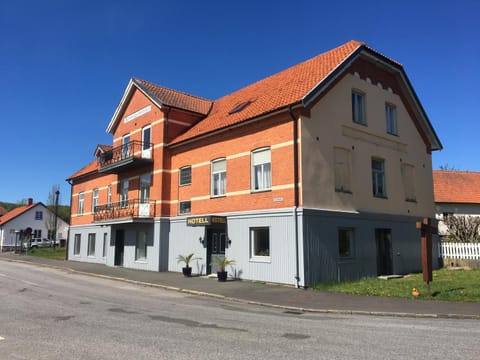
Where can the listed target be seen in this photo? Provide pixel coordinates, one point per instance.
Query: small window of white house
(38, 215)
(185, 177)
(94, 200)
(184, 207)
(391, 118)
(261, 170)
(378, 178)
(141, 246)
(345, 243)
(77, 244)
(219, 177)
(81, 201)
(91, 245)
(408, 181)
(342, 170)
(358, 108)
(260, 243)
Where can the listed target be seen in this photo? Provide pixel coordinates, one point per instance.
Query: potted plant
(222, 262)
(187, 270)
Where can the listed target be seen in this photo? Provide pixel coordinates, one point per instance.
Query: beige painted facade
(330, 131)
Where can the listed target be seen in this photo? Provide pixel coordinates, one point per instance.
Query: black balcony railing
(126, 154)
(126, 209)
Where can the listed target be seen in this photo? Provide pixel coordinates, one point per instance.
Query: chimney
(30, 201)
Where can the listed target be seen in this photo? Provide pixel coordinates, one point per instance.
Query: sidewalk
(284, 297)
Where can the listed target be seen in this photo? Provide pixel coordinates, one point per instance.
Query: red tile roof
(90, 168)
(175, 98)
(456, 186)
(15, 212)
(272, 93)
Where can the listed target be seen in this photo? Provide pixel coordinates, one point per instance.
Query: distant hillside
(63, 210)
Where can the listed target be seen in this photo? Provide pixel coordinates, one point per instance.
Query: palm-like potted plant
(187, 270)
(222, 262)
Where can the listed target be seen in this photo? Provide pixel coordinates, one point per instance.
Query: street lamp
(56, 216)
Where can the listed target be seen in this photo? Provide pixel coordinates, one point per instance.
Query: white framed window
(358, 108)
(218, 177)
(185, 176)
(144, 188)
(109, 195)
(37, 234)
(345, 242)
(91, 245)
(94, 200)
(260, 243)
(126, 146)
(184, 207)
(105, 244)
(77, 242)
(378, 177)
(123, 193)
(146, 142)
(38, 215)
(391, 119)
(141, 246)
(81, 202)
(261, 170)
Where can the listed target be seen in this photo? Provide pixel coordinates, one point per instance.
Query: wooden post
(427, 230)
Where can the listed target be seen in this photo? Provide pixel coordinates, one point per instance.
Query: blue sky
(65, 64)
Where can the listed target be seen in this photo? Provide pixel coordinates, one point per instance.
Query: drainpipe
(68, 232)
(296, 192)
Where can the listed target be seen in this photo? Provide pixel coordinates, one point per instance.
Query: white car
(39, 242)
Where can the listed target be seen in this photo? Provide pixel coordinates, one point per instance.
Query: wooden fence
(460, 250)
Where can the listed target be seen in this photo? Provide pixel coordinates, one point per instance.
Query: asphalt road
(53, 314)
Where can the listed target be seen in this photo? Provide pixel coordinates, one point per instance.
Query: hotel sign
(206, 220)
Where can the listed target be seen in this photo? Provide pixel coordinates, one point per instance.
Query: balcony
(126, 156)
(124, 210)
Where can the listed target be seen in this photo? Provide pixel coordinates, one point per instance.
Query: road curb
(253, 302)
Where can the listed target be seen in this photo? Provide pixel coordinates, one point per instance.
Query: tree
(50, 218)
(462, 228)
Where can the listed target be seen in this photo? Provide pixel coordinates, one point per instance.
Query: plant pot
(187, 271)
(222, 276)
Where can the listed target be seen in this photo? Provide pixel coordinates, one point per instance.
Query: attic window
(240, 107)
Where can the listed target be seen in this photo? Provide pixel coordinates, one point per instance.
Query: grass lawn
(48, 252)
(458, 285)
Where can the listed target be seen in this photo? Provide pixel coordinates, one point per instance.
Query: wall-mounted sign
(206, 220)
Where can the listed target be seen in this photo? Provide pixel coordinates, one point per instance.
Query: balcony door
(146, 143)
(126, 147)
(144, 205)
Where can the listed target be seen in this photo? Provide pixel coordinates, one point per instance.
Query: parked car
(39, 242)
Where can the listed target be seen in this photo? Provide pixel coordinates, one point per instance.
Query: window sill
(218, 196)
(141, 261)
(411, 200)
(261, 259)
(260, 191)
(381, 197)
(91, 256)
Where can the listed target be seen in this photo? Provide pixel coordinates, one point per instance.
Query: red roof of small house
(456, 186)
(15, 212)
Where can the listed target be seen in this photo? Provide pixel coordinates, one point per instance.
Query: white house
(33, 215)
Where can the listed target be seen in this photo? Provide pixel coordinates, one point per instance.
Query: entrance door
(383, 238)
(146, 145)
(216, 239)
(119, 247)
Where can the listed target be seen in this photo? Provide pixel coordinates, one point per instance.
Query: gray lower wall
(99, 232)
(320, 238)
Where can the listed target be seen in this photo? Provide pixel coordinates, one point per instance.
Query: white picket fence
(460, 250)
